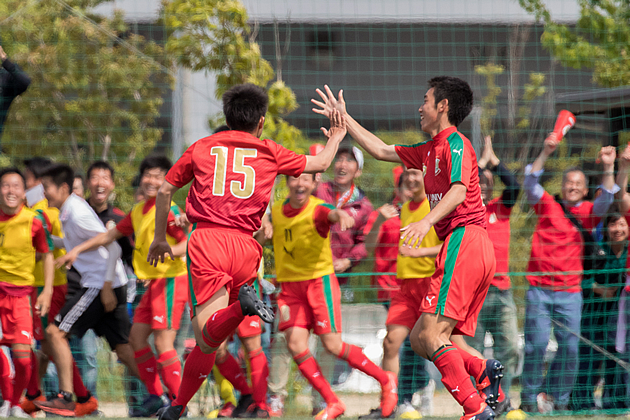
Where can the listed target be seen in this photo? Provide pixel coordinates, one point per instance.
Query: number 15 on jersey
(240, 189)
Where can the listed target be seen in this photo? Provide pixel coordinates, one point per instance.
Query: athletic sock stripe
(256, 352)
(443, 346)
(78, 309)
(443, 352)
(301, 358)
(209, 340)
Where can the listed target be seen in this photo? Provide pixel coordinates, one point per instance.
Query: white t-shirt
(80, 223)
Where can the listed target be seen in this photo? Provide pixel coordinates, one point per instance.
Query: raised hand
(607, 155)
(329, 103)
(345, 220)
(388, 211)
(551, 143)
(338, 126)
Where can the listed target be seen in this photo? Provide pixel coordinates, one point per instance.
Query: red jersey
(447, 158)
(385, 255)
(232, 173)
(498, 226)
(557, 245)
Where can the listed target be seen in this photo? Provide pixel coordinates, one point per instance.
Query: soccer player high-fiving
(466, 263)
(232, 174)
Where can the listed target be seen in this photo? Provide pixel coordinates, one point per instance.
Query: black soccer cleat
(376, 413)
(244, 404)
(488, 382)
(484, 413)
(252, 305)
(172, 412)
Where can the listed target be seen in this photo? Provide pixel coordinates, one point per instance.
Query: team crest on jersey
(437, 166)
(424, 170)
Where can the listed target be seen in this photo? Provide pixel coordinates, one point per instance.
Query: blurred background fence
(118, 80)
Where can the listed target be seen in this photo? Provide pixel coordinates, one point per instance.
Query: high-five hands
(330, 103)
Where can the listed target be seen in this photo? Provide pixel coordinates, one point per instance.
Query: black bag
(594, 255)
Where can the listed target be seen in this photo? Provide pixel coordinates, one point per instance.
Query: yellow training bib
(144, 229)
(416, 268)
(300, 252)
(53, 216)
(17, 253)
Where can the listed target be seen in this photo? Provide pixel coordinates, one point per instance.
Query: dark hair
(612, 216)
(221, 129)
(12, 170)
(36, 165)
(60, 174)
(459, 96)
(79, 176)
(156, 161)
(243, 105)
(286, 177)
(100, 164)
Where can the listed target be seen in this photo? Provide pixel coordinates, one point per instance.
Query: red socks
(473, 365)
(147, 367)
(313, 374)
(22, 363)
(32, 388)
(77, 382)
(196, 369)
(230, 369)
(170, 369)
(456, 379)
(6, 374)
(222, 324)
(357, 359)
(260, 373)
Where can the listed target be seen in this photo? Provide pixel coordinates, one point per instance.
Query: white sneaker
(5, 409)
(276, 406)
(407, 411)
(16, 411)
(426, 399)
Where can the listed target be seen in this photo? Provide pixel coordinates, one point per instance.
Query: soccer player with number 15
(232, 174)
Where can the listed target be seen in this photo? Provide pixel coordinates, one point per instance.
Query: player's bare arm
(417, 231)
(99, 240)
(550, 145)
(372, 144)
(340, 216)
(43, 300)
(430, 252)
(160, 247)
(335, 134)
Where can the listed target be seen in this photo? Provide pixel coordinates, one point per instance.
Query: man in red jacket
(557, 250)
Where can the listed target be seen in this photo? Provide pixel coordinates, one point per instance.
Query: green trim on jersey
(40, 216)
(456, 143)
(170, 296)
(422, 143)
(175, 210)
(193, 298)
(452, 251)
(328, 206)
(329, 302)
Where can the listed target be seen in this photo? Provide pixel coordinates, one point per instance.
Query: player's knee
(390, 346)
(334, 347)
(206, 349)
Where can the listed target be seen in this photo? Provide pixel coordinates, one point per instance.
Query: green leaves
(599, 41)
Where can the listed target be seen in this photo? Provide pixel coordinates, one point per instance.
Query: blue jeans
(543, 306)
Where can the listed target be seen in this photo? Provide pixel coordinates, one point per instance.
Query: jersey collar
(444, 134)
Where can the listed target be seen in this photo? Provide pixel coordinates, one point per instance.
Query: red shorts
(464, 270)
(310, 304)
(16, 320)
(220, 257)
(56, 303)
(405, 305)
(163, 303)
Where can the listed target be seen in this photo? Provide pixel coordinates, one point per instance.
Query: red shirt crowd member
(382, 234)
(232, 174)
(348, 246)
(466, 264)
